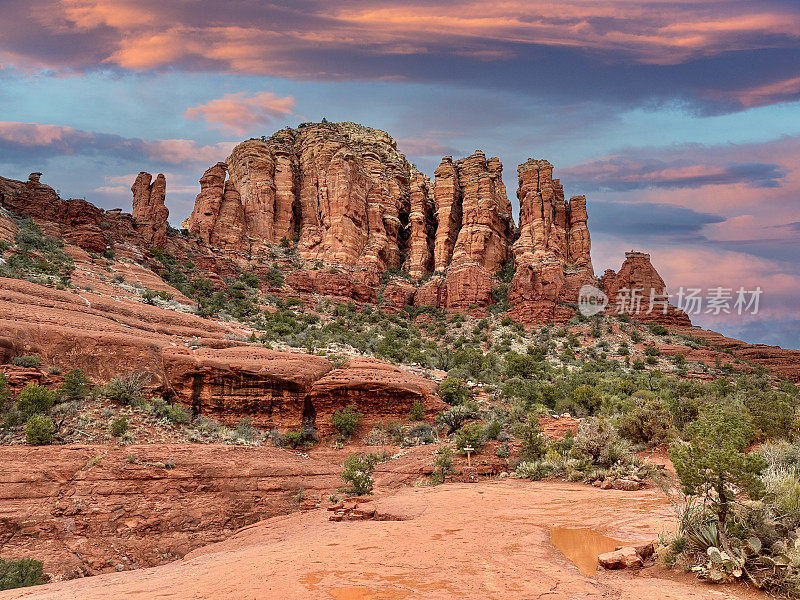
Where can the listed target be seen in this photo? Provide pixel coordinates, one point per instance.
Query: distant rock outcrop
(639, 291)
(75, 220)
(149, 210)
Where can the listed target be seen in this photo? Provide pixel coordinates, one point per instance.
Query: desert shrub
(587, 398)
(598, 443)
(658, 329)
(421, 433)
(455, 416)
(638, 365)
(493, 429)
(40, 430)
(296, 439)
(443, 462)
(648, 422)
(346, 420)
(149, 296)
(524, 366)
(533, 442)
(75, 387)
(20, 573)
(35, 399)
(714, 464)
(5, 394)
(417, 412)
(171, 413)
(244, 430)
(358, 472)
(470, 436)
(29, 361)
(119, 426)
(652, 351)
(772, 413)
(534, 470)
(454, 391)
(126, 389)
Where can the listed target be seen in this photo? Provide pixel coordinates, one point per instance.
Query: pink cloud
(38, 134)
(240, 113)
(53, 140)
(273, 39)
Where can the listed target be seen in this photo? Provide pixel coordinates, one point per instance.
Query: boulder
(624, 558)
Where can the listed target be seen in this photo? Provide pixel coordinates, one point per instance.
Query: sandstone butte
(343, 194)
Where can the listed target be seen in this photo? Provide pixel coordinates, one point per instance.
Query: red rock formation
(552, 252)
(218, 217)
(344, 189)
(639, 291)
(74, 220)
(423, 226)
(269, 386)
(377, 389)
(8, 229)
(330, 284)
(149, 210)
(397, 294)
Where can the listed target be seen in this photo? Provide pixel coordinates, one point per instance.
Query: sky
(679, 120)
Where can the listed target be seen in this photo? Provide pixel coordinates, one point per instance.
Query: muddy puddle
(581, 546)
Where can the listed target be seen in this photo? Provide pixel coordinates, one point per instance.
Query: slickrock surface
(193, 360)
(96, 508)
(149, 210)
(457, 540)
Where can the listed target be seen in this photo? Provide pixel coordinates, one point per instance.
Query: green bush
(5, 394)
(455, 416)
(648, 422)
(20, 573)
(295, 439)
(75, 386)
(417, 412)
(126, 389)
(346, 421)
(658, 329)
(470, 436)
(529, 433)
(119, 427)
(173, 413)
(358, 472)
(454, 391)
(40, 430)
(772, 413)
(443, 462)
(28, 361)
(598, 443)
(35, 399)
(533, 470)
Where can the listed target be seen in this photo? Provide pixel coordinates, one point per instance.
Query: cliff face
(552, 252)
(342, 191)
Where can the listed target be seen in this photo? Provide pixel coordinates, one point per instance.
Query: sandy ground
(488, 540)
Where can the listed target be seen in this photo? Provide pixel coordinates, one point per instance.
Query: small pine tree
(714, 463)
(75, 386)
(358, 472)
